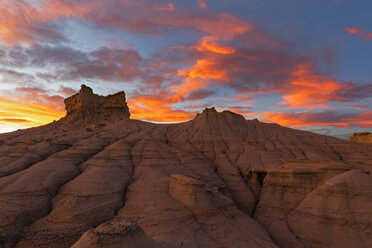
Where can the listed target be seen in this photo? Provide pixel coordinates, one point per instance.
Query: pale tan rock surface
(364, 137)
(218, 180)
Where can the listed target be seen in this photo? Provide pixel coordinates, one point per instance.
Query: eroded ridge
(218, 180)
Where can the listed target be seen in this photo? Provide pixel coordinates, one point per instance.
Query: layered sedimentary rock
(280, 190)
(87, 106)
(364, 137)
(337, 213)
(99, 179)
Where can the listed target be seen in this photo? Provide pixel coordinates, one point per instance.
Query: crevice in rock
(335, 152)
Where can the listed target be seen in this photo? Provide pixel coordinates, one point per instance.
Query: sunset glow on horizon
(305, 65)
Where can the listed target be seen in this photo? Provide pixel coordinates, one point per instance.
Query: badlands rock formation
(364, 137)
(96, 178)
(89, 107)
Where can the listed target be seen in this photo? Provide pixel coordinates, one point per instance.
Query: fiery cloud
(35, 96)
(26, 22)
(212, 46)
(363, 119)
(29, 115)
(29, 107)
(155, 109)
(308, 89)
(325, 118)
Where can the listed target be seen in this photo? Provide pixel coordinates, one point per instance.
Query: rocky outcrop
(116, 234)
(89, 107)
(191, 193)
(280, 190)
(364, 137)
(217, 180)
(336, 214)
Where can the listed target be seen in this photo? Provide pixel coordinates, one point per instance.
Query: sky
(303, 64)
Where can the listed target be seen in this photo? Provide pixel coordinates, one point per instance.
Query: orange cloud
(307, 89)
(35, 96)
(205, 69)
(19, 20)
(153, 108)
(13, 16)
(28, 107)
(359, 32)
(212, 46)
(27, 115)
(222, 27)
(299, 120)
(363, 119)
(194, 76)
(326, 118)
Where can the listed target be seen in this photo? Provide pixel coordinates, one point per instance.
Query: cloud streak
(29, 115)
(324, 118)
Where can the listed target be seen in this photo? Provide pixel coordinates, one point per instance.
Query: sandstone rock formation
(87, 106)
(349, 217)
(96, 178)
(364, 137)
(280, 190)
